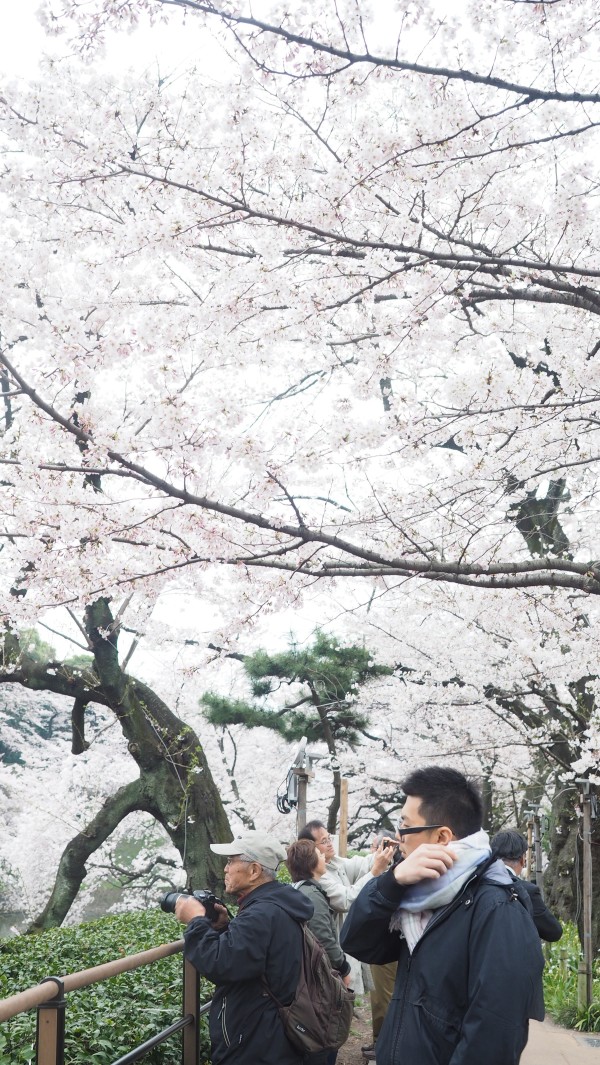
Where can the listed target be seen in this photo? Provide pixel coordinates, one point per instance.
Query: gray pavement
(550, 1045)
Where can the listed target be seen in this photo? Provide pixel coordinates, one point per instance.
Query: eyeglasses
(238, 858)
(401, 831)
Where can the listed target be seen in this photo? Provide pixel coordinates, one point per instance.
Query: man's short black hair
(309, 828)
(446, 798)
(509, 844)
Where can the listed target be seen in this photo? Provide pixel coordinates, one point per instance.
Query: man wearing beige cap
(263, 943)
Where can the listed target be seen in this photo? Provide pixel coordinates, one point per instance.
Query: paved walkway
(550, 1045)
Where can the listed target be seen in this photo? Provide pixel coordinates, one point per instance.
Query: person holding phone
(342, 882)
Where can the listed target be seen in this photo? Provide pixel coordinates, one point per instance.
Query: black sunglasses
(418, 828)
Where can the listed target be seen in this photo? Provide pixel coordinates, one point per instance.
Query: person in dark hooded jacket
(469, 957)
(263, 942)
(511, 847)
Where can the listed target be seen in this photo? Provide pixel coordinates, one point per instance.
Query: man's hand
(222, 918)
(383, 857)
(427, 862)
(347, 979)
(186, 908)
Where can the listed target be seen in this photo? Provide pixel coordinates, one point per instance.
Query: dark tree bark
(566, 722)
(334, 806)
(72, 871)
(79, 743)
(564, 875)
(175, 785)
(563, 894)
(487, 798)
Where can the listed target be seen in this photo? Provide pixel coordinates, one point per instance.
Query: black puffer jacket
(465, 995)
(264, 939)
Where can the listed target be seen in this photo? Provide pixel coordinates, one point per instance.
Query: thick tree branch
(528, 92)
(72, 869)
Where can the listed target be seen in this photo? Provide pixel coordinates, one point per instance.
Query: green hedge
(106, 1020)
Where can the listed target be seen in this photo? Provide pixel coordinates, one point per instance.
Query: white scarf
(421, 899)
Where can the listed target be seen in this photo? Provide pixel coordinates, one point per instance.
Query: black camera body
(208, 900)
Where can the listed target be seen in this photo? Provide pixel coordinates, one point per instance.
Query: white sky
(21, 37)
(23, 42)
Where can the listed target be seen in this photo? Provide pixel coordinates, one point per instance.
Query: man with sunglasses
(264, 940)
(447, 912)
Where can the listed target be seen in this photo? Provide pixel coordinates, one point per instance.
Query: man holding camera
(263, 943)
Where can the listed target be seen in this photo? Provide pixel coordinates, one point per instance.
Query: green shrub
(560, 984)
(109, 1019)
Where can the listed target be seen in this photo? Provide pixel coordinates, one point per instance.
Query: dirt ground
(360, 1035)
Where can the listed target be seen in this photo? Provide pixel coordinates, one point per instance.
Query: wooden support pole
(529, 863)
(586, 803)
(343, 834)
(537, 846)
(190, 1051)
(50, 1034)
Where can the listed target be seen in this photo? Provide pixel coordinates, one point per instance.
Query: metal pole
(343, 833)
(303, 779)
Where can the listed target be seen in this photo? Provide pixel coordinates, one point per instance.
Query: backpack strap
(483, 868)
(515, 894)
(303, 928)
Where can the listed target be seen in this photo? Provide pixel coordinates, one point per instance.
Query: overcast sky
(21, 37)
(22, 43)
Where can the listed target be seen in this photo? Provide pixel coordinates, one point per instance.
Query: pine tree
(309, 692)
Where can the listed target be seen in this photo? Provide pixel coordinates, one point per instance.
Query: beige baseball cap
(262, 848)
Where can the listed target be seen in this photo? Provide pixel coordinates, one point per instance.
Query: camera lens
(167, 903)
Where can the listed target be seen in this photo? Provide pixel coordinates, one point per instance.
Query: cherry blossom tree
(331, 307)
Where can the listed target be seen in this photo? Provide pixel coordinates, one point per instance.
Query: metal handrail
(49, 998)
(144, 1048)
(34, 996)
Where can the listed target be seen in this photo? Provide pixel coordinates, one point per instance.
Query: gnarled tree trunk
(175, 784)
(564, 875)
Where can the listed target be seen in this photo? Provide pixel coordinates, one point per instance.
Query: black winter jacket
(546, 923)
(465, 995)
(264, 939)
